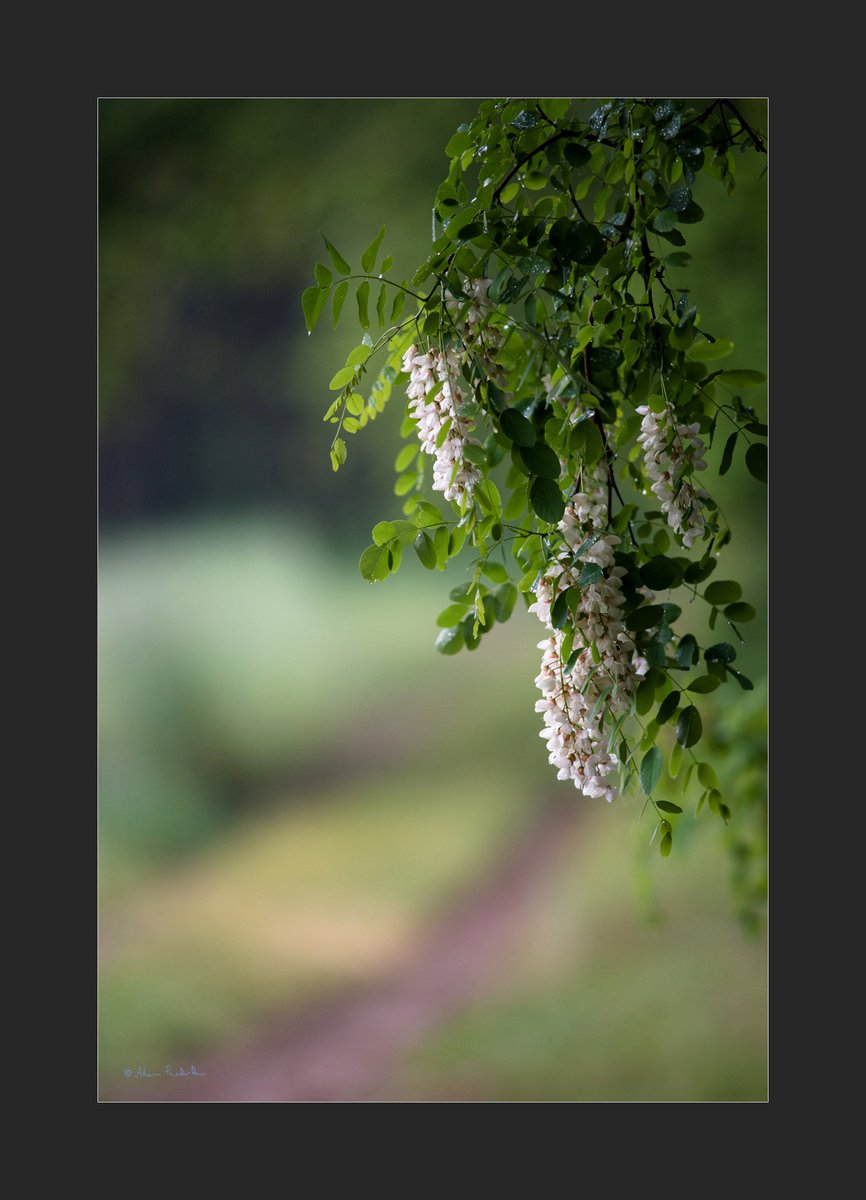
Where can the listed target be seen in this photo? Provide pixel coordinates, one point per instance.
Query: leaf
(687, 651)
(661, 573)
(651, 770)
(743, 680)
(427, 514)
(665, 844)
(668, 806)
(383, 532)
(375, 563)
(459, 142)
(577, 155)
(358, 355)
(645, 617)
(679, 200)
(406, 455)
(590, 573)
(585, 440)
(664, 221)
(756, 460)
(343, 376)
(425, 550)
(668, 707)
(703, 684)
(363, 298)
(559, 612)
(701, 351)
(380, 305)
(728, 453)
(675, 760)
(504, 600)
(689, 727)
(449, 641)
(456, 539)
(541, 460)
(312, 300)
(723, 591)
(546, 500)
(338, 453)
(397, 306)
(722, 652)
(516, 427)
(697, 572)
(338, 298)
(743, 378)
(337, 259)
(368, 258)
(495, 572)
(740, 612)
(584, 244)
(323, 275)
(707, 775)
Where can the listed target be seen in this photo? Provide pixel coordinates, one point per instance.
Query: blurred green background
(295, 789)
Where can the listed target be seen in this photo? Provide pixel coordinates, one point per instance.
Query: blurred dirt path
(345, 1049)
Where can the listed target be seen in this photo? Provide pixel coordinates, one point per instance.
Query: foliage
(566, 394)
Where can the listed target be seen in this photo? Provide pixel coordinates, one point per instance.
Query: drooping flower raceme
(434, 407)
(606, 667)
(671, 453)
(436, 412)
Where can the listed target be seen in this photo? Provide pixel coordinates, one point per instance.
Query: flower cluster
(606, 666)
(435, 395)
(435, 411)
(671, 453)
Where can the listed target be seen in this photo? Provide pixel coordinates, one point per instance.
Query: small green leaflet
(651, 770)
(740, 612)
(546, 500)
(516, 427)
(375, 563)
(743, 378)
(722, 591)
(338, 453)
(668, 806)
(363, 298)
(425, 550)
(338, 298)
(312, 301)
(689, 727)
(756, 461)
(368, 258)
(337, 259)
(701, 351)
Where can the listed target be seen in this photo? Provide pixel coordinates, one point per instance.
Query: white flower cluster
(576, 742)
(453, 474)
(668, 449)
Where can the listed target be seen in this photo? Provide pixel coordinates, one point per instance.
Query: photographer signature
(142, 1073)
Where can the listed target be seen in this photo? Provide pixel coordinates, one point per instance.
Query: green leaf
(546, 500)
(740, 612)
(584, 244)
(687, 651)
(756, 460)
(495, 571)
(338, 453)
(358, 355)
(665, 844)
(312, 302)
(697, 572)
(668, 707)
(728, 453)
(380, 305)
(577, 155)
(323, 275)
(703, 684)
(425, 550)
(368, 258)
(689, 727)
(743, 378)
(383, 532)
(459, 142)
(651, 770)
(645, 617)
(450, 641)
(406, 455)
(397, 306)
(337, 259)
(363, 298)
(559, 612)
(664, 221)
(675, 760)
(427, 514)
(375, 563)
(541, 460)
(723, 591)
(707, 775)
(661, 573)
(516, 427)
(456, 539)
(504, 600)
(743, 680)
(701, 351)
(343, 376)
(722, 652)
(590, 573)
(338, 297)
(668, 806)
(585, 440)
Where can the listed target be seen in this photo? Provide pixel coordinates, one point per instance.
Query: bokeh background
(333, 864)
